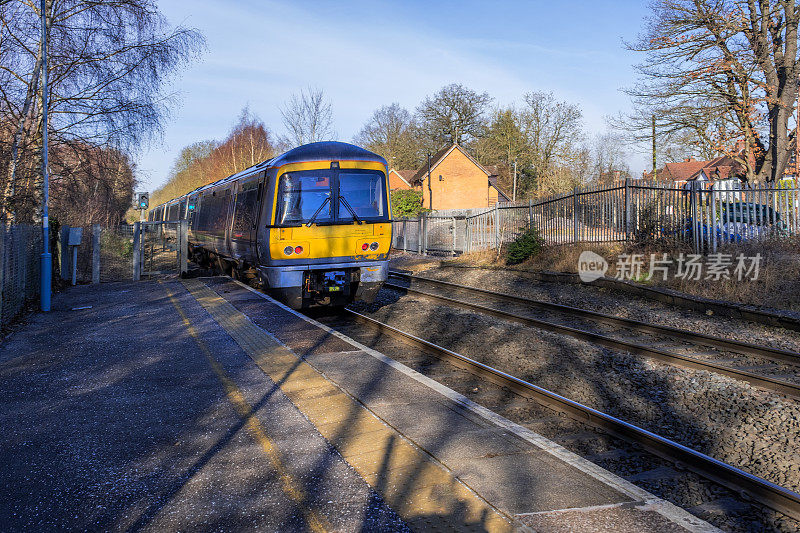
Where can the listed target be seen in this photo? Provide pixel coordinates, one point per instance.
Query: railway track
(749, 487)
(672, 345)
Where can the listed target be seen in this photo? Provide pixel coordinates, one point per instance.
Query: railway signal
(143, 200)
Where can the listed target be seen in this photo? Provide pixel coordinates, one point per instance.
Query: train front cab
(330, 233)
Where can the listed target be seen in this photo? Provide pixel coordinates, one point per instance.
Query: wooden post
(74, 265)
(64, 256)
(96, 253)
(137, 251)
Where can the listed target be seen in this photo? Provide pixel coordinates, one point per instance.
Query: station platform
(203, 404)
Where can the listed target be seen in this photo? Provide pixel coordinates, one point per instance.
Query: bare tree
(726, 71)
(307, 118)
(553, 130)
(607, 152)
(249, 142)
(108, 64)
(391, 132)
(455, 114)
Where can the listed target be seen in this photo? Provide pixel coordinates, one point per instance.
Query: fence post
(497, 225)
(626, 208)
(64, 255)
(419, 233)
(467, 236)
(137, 245)
(454, 235)
(694, 212)
(96, 253)
(2, 268)
(530, 212)
(424, 233)
(575, 215)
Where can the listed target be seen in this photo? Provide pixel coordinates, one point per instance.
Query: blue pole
(47, 259)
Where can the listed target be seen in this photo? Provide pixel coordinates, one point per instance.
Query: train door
(261, 227)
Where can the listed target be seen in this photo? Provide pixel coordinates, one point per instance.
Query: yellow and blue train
(314, 224)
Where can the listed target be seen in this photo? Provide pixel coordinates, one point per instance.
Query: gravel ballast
(729, 420)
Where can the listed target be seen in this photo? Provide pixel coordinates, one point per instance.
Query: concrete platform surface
(205, 405)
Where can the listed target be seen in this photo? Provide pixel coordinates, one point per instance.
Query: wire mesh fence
(702, 214)
(116, 253)
(20, 268)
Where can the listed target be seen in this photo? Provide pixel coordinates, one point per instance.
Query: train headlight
(373, 246)
(365, 246)
(298, 250)
(288, 250)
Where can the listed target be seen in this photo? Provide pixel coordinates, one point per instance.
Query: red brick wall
(464, 185)
(395, 182)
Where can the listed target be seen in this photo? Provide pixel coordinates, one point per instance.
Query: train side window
(244, 215)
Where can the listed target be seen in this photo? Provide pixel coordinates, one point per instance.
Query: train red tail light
(298, 249)
(365, 246)
(373, 246)
(288, 250)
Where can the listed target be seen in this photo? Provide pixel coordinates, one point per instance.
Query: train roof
(326, 150)
(318, 151)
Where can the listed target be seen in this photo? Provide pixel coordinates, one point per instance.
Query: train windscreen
(361, 194)
(310, 195)
(302, 195)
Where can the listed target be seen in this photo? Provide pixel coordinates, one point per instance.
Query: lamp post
(47, 259)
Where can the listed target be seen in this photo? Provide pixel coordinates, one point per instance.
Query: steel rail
(767, 352)
(757, 380)
(747, 485)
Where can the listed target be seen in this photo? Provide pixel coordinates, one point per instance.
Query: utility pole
(47, 259)
(430, 189)
(514, 191)
(655, 171)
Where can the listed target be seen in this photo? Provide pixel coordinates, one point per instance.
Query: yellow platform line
(245, 411)
(422, 492)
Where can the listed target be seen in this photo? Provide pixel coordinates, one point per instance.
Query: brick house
(719, 168)
(400, 179)
(457, 181)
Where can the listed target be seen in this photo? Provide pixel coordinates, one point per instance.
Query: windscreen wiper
(347, 205)
(314, 217)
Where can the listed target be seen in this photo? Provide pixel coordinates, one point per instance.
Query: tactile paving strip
(421, 491)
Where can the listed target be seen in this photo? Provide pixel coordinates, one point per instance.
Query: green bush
(527, 244)
(406, 203)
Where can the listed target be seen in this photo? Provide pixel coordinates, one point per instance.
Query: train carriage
(313, 224)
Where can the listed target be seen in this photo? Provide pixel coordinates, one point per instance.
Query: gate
(159, 248)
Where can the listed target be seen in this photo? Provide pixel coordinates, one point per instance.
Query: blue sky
(365, 54)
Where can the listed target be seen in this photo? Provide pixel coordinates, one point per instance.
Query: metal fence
(159, 248)
(702, 214)
(20, 255)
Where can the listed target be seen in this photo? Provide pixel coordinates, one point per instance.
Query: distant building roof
(722, 167)
(438, 157)
(500, 192)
